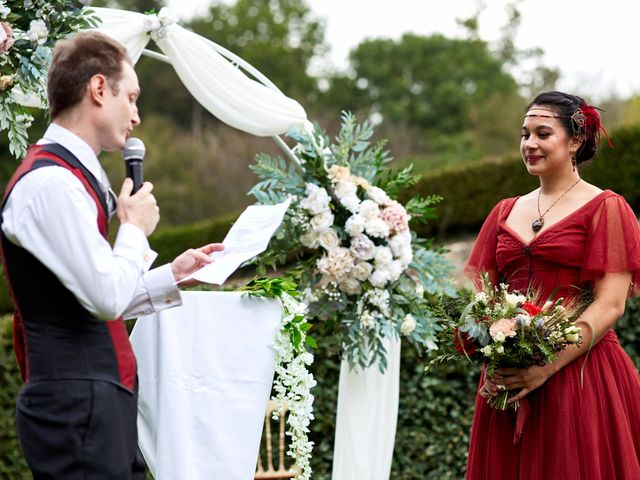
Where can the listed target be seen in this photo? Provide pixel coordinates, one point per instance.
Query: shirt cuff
(161, 288)
(131, 243)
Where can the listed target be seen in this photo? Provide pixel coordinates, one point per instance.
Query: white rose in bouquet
(338, 173)
(354, 225)
(351, 203)
(395, 270)
(321, 221)
(513, 299)
(350, 286)
(345, 188)
(383, 256)
(376, 227)
(379, 277)
(369, 210)
(309, 239)
(408, 325)
(399, 242)
(362, 247)
(361, 271)
(378, 195)
(328, 239)
(317, 199)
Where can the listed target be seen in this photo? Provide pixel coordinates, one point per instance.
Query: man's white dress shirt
(50, 214)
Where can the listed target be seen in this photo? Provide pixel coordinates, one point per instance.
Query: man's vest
(54, 336)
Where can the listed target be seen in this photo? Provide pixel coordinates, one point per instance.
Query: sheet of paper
(248, 237)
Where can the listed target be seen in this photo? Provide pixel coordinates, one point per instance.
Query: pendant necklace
(539, 222)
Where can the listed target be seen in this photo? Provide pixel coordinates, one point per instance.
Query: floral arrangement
(499, 328)
(293, 381)
(28, 30)
(364, 274)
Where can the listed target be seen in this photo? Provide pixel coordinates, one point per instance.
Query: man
(76, 415)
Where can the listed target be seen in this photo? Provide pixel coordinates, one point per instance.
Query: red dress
(564, 430)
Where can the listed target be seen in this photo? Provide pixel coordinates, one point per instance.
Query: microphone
(133, 154)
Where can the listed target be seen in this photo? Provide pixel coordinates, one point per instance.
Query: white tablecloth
(205, 373)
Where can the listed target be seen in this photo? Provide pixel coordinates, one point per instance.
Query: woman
(579, 417)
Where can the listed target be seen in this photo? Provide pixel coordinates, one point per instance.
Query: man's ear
(97, 88)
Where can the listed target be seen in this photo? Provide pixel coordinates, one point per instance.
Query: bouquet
(28, 30)
(365, 275)
(500, 328)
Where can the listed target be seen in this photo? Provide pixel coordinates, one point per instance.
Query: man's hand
(191, 260)
(139, 209)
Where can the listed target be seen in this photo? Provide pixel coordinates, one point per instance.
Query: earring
(573, 162)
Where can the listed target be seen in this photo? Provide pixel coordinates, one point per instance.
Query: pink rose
(395, 216)
(505, 326)
(6, 37)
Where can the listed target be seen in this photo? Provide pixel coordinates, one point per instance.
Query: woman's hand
(527, 379)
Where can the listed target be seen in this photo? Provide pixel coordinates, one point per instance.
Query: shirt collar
(76, 145)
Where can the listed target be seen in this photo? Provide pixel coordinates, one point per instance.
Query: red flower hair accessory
(586, 120)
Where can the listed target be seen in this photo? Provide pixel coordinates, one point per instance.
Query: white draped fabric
(205, 371)
(366, 419)
(219, 86)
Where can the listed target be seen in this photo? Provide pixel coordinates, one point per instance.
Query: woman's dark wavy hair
(566, 105)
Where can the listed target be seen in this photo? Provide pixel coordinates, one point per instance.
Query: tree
(428, 81)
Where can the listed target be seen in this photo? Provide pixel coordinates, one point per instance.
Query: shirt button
(527, 250)
(168, 300)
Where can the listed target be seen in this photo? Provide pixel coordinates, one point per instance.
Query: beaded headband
(584, 121)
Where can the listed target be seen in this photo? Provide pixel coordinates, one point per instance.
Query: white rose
(395, 270)
(338, 173)
(399, 242)
(369, 210)
(376, 227)
(354, 225)
(309, 239)
(378, 195)
(362, 270)
(379, 277)
(351, 203)
(4, 11)
(499, 349)
(383, 256)
(513, 299)
(408, 325)
(486, 350)
(328, 239)
(345, 188)
(38, 31)
(499, 337)
(362, 247)
(321, 221)
(406, 256)
(317, 199)
(350, 286)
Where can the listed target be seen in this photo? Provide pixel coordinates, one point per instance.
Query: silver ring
(502, 388)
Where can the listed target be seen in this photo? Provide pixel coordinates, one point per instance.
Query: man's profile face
(121, 110)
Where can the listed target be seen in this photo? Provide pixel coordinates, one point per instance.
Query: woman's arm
(610, 294)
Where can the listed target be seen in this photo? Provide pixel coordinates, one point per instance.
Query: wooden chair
(282, 472)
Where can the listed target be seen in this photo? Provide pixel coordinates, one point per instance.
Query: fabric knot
(157, 24)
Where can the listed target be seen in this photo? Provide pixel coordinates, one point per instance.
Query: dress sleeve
(613, 244)
(483, 254)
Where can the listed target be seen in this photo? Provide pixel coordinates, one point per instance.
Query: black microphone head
(133, 149)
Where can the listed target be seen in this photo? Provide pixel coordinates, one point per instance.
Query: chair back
(270, 472)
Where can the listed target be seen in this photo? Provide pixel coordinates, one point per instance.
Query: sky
(594, 43)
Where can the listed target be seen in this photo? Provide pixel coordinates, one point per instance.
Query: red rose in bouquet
(531, 308)
(463, 343)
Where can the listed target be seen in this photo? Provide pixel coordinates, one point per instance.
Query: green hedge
(433, 421)
(471, 190)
